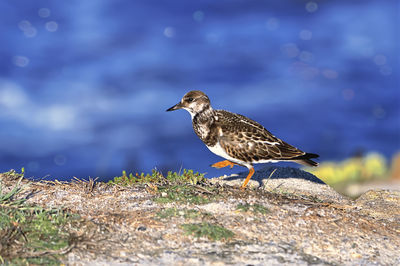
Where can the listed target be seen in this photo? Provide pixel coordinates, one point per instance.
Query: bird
(236, 138)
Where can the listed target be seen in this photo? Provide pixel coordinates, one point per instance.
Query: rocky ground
(285, 216)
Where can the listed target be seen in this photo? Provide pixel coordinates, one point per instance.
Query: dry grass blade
(87, 185)
(48, 252)
(204, 190)
(269, 177)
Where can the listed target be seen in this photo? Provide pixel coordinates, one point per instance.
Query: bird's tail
(306, 159)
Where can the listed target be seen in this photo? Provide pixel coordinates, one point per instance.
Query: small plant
(7, 199)
(168, 213)
(192, 214)
(213, 232)
(255, 208)
(185, 187)
(30, 234)
(183, 194)
(175, 212)
(156, 177)
(14, 175)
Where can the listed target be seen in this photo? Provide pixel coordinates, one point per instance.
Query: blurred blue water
(84, 85)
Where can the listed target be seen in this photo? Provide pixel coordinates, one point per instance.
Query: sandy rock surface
(289, 217)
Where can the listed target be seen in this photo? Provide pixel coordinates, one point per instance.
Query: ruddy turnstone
(238, 139)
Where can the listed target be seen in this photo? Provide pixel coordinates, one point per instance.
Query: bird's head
(194, 102)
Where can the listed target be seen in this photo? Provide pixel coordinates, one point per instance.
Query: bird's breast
(202, 130)
(207, 132)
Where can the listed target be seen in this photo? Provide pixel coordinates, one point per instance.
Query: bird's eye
(190, 100)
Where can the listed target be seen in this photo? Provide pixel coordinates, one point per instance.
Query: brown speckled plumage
(242, 138)
(235, 137)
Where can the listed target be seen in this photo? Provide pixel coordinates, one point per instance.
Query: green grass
(186, 187)
(213, 232)
(175, 212)
(30, 234)
(255, 208)
(183, 194)
(157, 178)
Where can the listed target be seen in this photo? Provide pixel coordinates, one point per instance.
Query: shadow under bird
(238, 139)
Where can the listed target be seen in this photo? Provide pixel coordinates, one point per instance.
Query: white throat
(206, 112)
(192, 114)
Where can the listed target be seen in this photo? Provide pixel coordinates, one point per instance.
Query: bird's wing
(247, 140)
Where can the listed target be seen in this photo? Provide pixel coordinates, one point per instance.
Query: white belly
(218, 150)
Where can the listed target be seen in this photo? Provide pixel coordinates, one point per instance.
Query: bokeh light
(198, 16)
(44, 12)
(60, 160)
(169, 32)
(290, 50)
(311, 7)
(26, 27)
(380, 59)
(306, 56)
(305, 35)
(20, 61)
(51, 26)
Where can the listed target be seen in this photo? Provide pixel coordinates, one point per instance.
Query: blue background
(84, 85)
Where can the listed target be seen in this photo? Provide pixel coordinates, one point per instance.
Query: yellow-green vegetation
(186, 187)
(185, 194)
(254, 208)
(175, 212)
(353, 170)
(30, 234)
(211, 231)
(156, 177)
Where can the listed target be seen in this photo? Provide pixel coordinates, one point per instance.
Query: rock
(285, 180)
(355, 190)
(288, 217)
(381, 204)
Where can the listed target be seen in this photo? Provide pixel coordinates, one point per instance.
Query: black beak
(175, 107)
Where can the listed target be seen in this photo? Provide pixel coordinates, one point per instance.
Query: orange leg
(223, 164)
(251, 172)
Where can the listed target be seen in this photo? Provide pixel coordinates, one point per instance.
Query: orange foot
(223, 164)
(251, 172)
